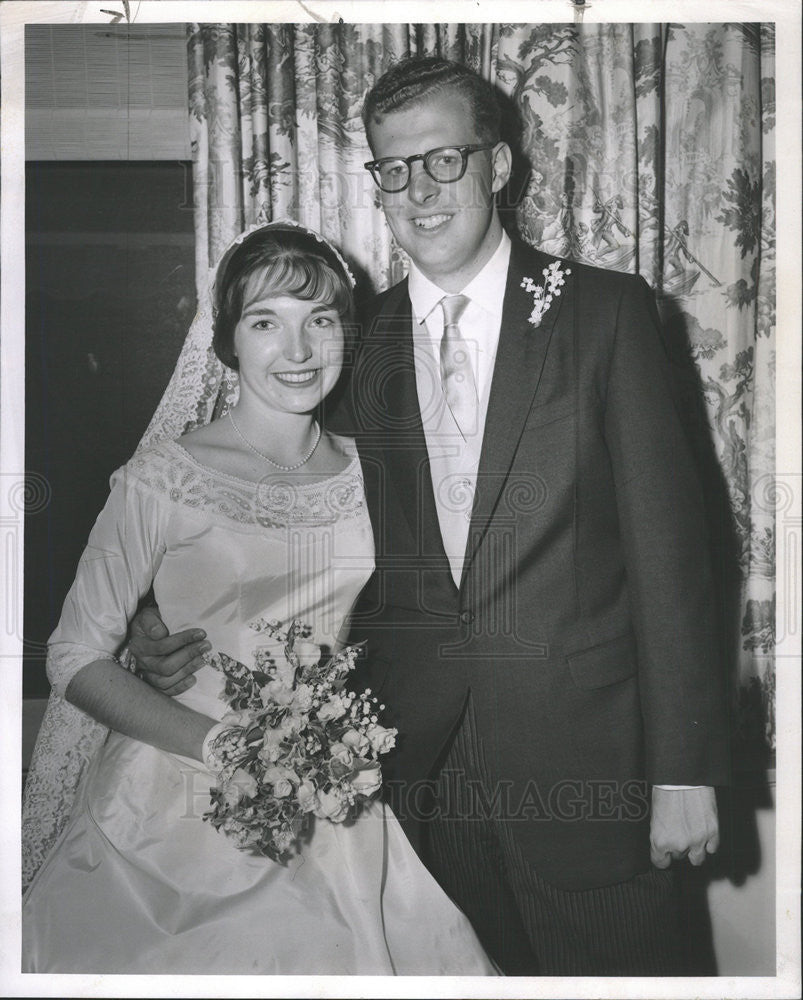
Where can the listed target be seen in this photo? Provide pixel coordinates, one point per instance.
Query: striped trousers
(527, 925)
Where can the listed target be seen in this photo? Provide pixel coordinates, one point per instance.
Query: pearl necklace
(277, 465)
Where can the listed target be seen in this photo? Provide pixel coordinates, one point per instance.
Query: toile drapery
(646, 148)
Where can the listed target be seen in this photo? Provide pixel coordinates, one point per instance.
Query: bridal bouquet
(295, 743)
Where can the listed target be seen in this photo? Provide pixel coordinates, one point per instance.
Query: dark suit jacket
(584, 625)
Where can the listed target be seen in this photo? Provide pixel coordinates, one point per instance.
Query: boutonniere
(554, 278)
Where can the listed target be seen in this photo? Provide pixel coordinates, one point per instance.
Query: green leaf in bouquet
(254, 732)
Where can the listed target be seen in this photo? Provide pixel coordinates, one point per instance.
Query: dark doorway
(110, 294)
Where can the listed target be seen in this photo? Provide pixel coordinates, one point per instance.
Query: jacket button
(466, 617)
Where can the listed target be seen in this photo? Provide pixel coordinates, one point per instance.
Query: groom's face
(450, 230)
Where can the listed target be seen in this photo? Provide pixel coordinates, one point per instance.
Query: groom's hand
(683, 823)
(167, 662)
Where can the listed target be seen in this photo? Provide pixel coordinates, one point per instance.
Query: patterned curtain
(645, 148)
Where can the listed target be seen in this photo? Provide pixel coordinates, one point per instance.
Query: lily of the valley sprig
(554, 278)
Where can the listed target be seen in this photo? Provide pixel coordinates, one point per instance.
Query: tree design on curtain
(648, 148)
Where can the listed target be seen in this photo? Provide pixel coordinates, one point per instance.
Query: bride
(260, 514)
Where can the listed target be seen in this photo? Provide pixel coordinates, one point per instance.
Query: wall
(743, 912)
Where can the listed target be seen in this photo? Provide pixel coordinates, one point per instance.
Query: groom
(541, 620)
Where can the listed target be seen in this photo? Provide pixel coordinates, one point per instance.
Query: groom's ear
(501, 166)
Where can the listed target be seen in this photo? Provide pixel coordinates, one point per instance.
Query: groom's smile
(431, 223)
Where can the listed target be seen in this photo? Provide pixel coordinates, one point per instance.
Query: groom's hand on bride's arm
(167, 662)
(683, 823)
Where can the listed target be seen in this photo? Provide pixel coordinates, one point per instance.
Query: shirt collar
(486, 289)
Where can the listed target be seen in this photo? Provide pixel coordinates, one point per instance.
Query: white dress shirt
(454, 455)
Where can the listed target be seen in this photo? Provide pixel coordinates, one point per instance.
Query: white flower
(340, 752)
(381, 739)
(270, 752)
(554, 279)
(334, 708)
(293, 723)
(242, 837)
(332, 806)
(285, 675)
(367, 780)
(275, 692)
(355, 741)
(283, 839)
(263, 659)
(282, 779)
(344, 661)
(302, 698)
(308, 653)
(262, 625)
(239, 784)
(307, 796)
(282, 788)
(274, 736)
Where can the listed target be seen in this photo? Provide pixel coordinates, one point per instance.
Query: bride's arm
(118, 566)
(121, 701)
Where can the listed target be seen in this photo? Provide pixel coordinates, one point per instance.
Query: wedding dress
(137, 881)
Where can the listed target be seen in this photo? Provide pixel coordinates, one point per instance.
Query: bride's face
(290, 350)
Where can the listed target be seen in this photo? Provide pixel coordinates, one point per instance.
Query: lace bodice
(176, 476)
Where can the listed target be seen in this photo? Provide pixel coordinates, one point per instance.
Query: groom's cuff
(678, 788)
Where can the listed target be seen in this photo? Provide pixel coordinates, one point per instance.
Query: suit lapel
(519, 364)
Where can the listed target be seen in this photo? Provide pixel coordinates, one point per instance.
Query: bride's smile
(298, 378)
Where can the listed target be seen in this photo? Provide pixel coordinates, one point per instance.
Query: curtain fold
(644, 147)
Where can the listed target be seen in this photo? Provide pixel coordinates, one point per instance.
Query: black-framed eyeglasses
(446, 164)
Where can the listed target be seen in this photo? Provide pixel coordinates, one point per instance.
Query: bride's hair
(288, 261)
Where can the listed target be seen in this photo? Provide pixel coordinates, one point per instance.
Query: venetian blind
(103, 92)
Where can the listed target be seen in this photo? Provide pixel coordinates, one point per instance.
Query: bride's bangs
(305, 277)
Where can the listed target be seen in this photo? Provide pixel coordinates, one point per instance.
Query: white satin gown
(137, 882)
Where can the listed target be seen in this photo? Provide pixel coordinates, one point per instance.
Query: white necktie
(457, 374)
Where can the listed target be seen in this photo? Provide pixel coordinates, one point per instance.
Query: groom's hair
(276, 260)
(420, 78)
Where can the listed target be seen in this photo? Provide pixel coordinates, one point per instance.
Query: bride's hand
(167, 662)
